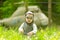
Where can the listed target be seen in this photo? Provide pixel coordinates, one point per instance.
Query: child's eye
(29, 17)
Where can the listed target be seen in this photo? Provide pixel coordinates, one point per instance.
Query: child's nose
(29, 19)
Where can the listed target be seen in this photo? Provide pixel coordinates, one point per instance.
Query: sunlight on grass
(48, 34)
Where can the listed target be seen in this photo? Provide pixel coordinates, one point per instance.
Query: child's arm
(34, 28)
(21, 28)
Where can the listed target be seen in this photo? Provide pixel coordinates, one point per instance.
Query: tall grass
(47, 34)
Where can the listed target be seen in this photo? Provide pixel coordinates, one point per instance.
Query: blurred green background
(7, 7)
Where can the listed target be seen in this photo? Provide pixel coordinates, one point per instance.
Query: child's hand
(22, 31)
(30, 33)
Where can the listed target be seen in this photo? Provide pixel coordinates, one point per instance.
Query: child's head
(29, 17)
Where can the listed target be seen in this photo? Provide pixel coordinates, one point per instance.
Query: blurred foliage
(8, 7)
(47, 34)
(56, 11)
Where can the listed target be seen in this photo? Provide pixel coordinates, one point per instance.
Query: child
(28, 27)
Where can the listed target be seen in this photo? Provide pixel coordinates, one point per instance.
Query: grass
(48, 34)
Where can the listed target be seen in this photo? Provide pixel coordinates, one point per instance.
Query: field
(13, 34)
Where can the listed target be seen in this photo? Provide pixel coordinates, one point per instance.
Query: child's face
(29, 18)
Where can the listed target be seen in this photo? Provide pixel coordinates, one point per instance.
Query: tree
(26, 4)
(49, 12)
